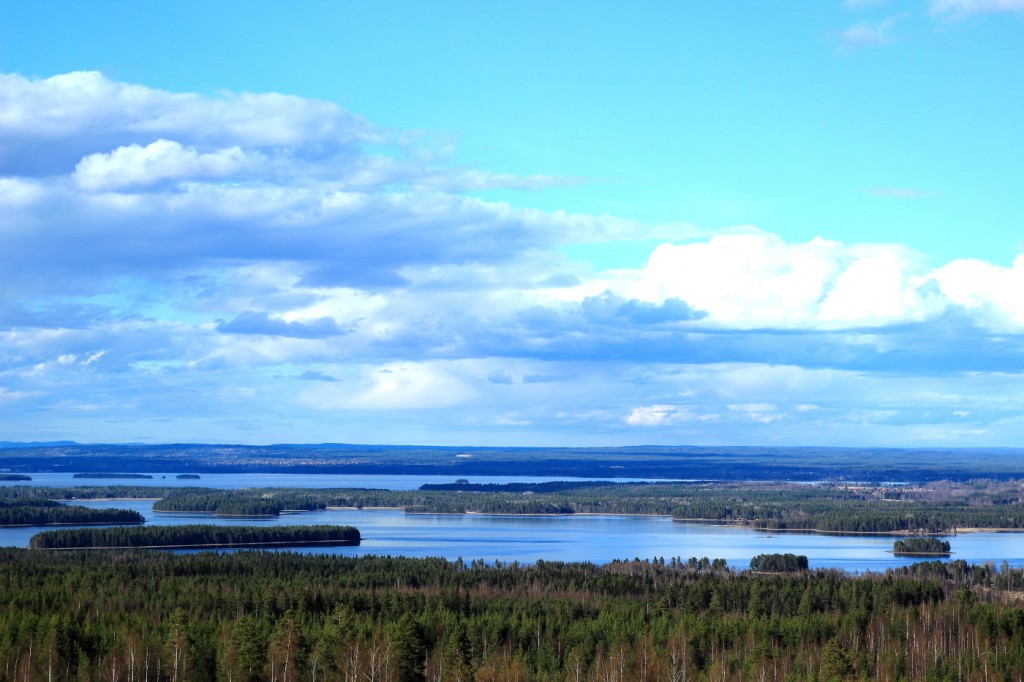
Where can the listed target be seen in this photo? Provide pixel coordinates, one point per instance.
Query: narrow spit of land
(197, 536)
(45, 512)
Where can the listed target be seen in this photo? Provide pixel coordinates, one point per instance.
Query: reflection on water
(598, 539)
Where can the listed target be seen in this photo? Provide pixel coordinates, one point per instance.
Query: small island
(778, 563)
(189, 477)
(921, 547)
(15, 477)
(110, 475)
(195, 537)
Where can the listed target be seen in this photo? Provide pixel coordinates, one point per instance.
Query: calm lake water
(599, 539)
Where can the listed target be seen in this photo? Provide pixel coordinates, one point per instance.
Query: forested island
(41, 512)
(921, 547)
(279, 616)
(778, 563)
(191, 477)
(195, 536)
(15, 477)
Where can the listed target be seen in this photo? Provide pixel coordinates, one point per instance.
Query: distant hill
(655, 462)
(8, 444)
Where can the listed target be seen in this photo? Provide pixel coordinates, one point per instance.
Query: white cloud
(993, 294)
(160, 160)
(227, 268)
(395, 386)
(87, 103)
(659, 415)
(93, 357)
(755, 280)
(19, 193)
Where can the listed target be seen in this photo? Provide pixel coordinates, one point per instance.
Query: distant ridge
(10, 444)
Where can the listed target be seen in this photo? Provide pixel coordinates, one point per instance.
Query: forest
(142, 615)
(195, 536)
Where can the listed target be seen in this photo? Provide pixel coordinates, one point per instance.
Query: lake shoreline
(717, 522)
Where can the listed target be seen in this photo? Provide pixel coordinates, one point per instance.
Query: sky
(530, 223)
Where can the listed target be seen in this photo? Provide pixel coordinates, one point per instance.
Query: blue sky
(531, 223)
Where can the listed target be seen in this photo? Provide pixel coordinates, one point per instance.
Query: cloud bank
(264, 267)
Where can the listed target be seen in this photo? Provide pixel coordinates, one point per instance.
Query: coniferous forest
(142, 615)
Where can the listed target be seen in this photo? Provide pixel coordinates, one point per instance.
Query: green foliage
(281, 616)
(778, 563)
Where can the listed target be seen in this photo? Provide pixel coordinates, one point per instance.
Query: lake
(598, 539)
(236, 481)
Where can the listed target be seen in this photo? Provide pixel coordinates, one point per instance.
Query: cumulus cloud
(990, 292)
(87, 105)
(755, 280)
(163, 251)
(160, 160)
(143, 180)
